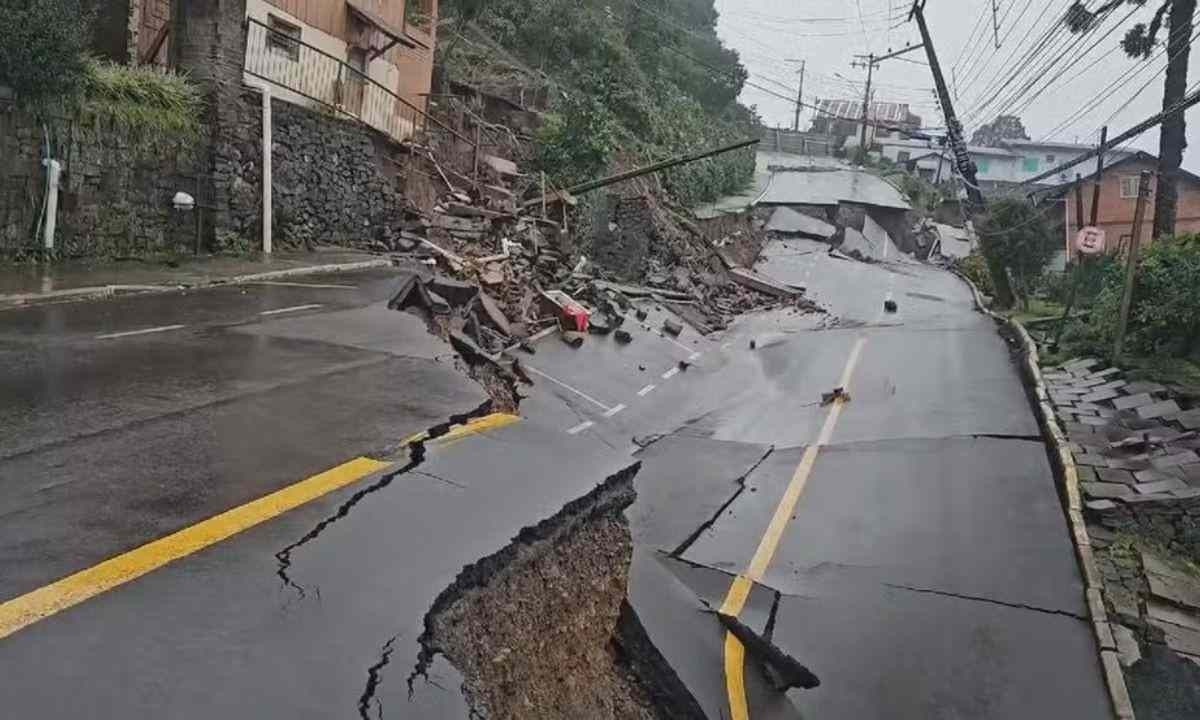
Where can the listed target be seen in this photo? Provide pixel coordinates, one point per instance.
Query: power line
(1076, 61)
(1028, 71)
(970, 42)
(1004, 78)
(1121, 81)
(1188, 100)
(973, 69)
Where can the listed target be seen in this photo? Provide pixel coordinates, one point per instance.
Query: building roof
(852, 110)
(832, 187)
(1134, 157)
(1019, 144)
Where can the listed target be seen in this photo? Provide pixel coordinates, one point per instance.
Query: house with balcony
(367, 59)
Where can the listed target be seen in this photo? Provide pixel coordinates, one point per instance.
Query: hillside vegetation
(623, 82)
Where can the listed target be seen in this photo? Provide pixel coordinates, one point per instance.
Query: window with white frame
(1129, 186)
(283, 37)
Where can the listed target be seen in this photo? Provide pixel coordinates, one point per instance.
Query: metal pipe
(664, 165)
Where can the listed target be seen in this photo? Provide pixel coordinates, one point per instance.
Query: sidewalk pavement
(31, 285)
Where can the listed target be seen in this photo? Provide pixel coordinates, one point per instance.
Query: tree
(1015, 238)
(42, 47)
(1139, 41)
(1004, 127)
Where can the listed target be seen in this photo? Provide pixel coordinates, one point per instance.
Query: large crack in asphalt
(990, 601)
(416, 455)
(375, 679)
(543, 626)
(708, 523)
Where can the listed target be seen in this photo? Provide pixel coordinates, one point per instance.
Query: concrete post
(53, 173)
(266, 170)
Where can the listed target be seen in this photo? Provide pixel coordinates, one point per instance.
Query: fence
(310, 76)
(796, 143)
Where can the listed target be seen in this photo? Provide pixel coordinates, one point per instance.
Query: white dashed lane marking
(580, 427)
(670, 373)
(646, 390)
(562, 384)
(144, 331)
(294, 308)
(614, 411)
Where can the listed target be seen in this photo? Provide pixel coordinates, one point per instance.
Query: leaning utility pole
(966, 168)
(799, 95)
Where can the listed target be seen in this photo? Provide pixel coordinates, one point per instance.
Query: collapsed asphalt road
(906, 545)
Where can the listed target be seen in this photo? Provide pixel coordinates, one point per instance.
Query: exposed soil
(531, 628)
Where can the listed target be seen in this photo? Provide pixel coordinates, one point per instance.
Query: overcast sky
(827, 34)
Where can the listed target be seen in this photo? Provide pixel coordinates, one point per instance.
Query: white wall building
(1015, 162)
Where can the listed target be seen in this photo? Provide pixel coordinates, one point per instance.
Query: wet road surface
(925, 571)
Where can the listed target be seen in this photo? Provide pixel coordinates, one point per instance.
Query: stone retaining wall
(115, 194)
(329, 185)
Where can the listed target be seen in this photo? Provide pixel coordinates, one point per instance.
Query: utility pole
(870, 65)
(1099, 176)
(966, 168)
(1131, 263)
(799, 95)
(995, 24)
(1079, 257)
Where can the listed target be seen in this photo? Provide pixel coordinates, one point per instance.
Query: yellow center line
(25, 610)
(739, 589)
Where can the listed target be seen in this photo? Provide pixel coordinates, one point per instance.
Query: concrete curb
(1068, 477)
(100, 292)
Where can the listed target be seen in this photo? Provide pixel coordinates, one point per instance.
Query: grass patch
(1038, 310)
(151, 107)
(1166, 370)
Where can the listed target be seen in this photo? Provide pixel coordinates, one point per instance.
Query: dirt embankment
(532, 628)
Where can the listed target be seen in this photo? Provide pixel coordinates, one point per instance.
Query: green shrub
(975, 267)
(1164, 317)
(42, 46)
(153, 105)
(1016, 237)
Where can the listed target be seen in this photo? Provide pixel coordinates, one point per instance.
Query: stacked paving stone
(1132, 445)
(1136, 454)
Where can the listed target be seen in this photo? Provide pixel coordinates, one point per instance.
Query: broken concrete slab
(1190, 420)
(1151, 476)
(494, 314)
(1159, 409)
(1116, 475)
(1106, 491)
(1180, 639)
(1128, 651)
(1161, 486)
(1185, 457)
(784, 670)
(1173, 615)
(762, 283)
(1142, 386)
(789, 222)
(1100, 396)
(1169, 583)
(1130, 402)
(854, 243)
(1089, 459)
